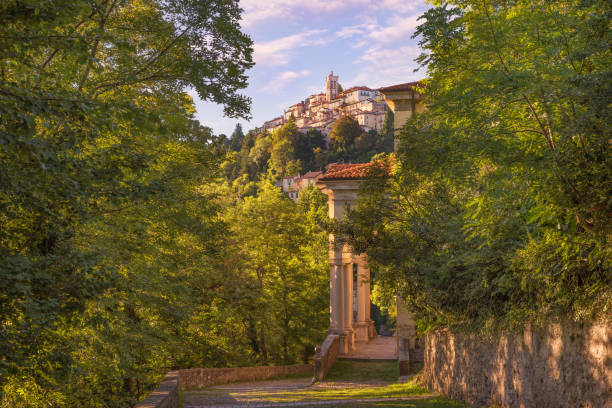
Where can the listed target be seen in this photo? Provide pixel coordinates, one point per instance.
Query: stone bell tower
(331, 86)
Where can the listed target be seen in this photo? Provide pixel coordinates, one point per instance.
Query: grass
(325, 392)
(347, 370)
(408, 389)
(346, 380)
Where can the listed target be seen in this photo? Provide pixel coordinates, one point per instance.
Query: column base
(347, 340)
(365, 331)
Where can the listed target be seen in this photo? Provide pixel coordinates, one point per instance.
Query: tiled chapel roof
(355, 171)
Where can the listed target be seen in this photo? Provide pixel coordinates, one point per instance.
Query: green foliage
(288, 152)
(236, 139)
(350, 143)
(387, 132)
(105, 241)
(307, 147)
(285, 152)
(499, 212)
(345, 131)
(279, 259)
(282, 150)
(347, 370)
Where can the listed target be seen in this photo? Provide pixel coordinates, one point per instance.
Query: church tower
(331, 86)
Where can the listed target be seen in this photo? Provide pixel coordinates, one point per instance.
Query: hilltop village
(339, 126)
(320, 111)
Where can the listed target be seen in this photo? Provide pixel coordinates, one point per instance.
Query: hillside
(287, 151)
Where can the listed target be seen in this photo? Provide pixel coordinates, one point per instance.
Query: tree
(366, 145)
(345, 131)
(237, 138)
(316, 139)
(284, 270)
(500, 213)
(320, 159)
(260, 153)
(283, 158)
(306, 145)
(92, 108)
(387, 132)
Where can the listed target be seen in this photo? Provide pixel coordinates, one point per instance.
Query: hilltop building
(292, 186)
(331, 86)
(320, 111)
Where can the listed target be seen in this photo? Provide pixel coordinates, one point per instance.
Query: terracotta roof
(401, 87)
(353, 171)
(311, 174)
(357, 88)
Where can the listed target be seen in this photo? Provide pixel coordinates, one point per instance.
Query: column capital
(362, 260)
(336, 261)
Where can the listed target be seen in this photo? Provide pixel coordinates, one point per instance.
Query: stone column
(347, 309)
(335, 305)
(365, 326)
(361, 292)
(348, 296)
(336, 322)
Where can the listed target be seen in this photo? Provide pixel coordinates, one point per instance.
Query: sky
(298, 42)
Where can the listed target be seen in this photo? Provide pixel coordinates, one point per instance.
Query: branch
(93, 13)
(155, 75)
(161, 53)
(545, 130)
(94, 49)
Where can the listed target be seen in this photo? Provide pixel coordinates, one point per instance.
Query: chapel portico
(351, 327)
(349, 306)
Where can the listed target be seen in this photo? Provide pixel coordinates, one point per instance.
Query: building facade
(292, 186)
(321, 110)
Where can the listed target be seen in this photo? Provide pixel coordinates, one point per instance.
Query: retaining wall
(205, 377)
(326, 355)
(167, 395)
(563, 365)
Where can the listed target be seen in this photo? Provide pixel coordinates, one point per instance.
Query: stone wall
(205, 377)
(326, 355)
(167, 395)
(563, 365)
